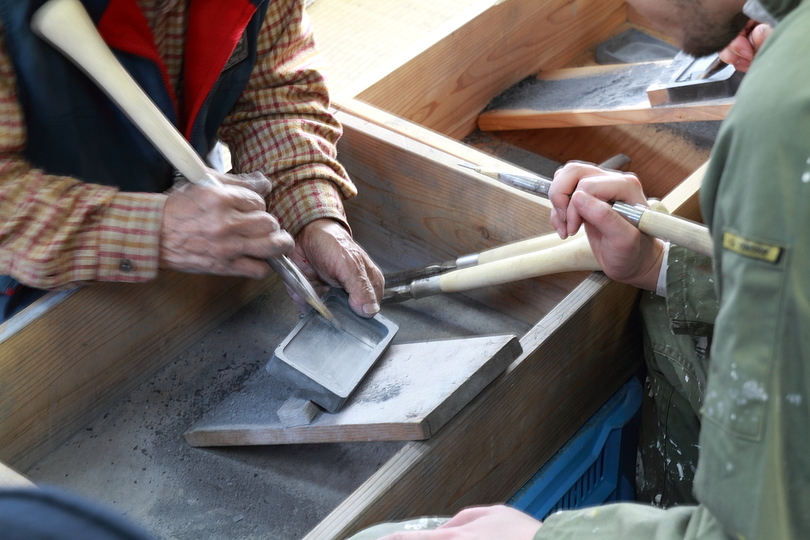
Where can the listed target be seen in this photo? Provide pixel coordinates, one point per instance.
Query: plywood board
(411, 393)
(594, 96)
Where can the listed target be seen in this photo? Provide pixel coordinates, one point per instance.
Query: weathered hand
(581, 193)
(742, 49)
(328, 256)
(479, 523)
(220, 230)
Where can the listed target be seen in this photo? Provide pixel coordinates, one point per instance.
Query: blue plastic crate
(596, 466)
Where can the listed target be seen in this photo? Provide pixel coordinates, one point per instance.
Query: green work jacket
(753, 477)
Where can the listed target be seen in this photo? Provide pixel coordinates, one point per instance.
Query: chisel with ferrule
(680, 231)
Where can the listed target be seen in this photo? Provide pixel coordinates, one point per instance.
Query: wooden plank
(413, 391)
(82, 353)
(445, 87)
(464, 152)
(594, 96)
(685, 197)
(399, 31)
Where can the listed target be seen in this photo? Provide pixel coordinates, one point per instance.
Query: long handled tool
(677, 230)
(66, 25)
(404, 277)
(571, 255)
(521, 247)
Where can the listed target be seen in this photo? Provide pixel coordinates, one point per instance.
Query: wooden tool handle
(677, 230)
(522, 247)
(569, 256)
(66, 25)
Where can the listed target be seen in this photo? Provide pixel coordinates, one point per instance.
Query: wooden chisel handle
(521, 247)
(677, 230)
(528, 245)
(66, 25)
(569, 256)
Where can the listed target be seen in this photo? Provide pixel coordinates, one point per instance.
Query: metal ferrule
(426, 287)
(416, 289)
(400, 293)
(527, 183)
(630, 212)
(467, 260)
(406, 277)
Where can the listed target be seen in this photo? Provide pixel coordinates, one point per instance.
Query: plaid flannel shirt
(58, 232)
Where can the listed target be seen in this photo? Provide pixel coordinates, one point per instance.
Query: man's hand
(328, 256)
(742, 49)
(479, 523)
(581, 193)
(221, 230)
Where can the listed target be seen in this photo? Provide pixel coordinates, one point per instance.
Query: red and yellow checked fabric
(58, 232)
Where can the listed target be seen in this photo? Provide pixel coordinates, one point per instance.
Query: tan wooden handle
(569, 256)
(674, 229)
(521, 247)
(677, 230)
(66, 25)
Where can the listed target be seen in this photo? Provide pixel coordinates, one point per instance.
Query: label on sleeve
(749, 248)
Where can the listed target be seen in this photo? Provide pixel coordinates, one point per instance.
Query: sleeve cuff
(661, 286)
(307, 201)
(129, 238)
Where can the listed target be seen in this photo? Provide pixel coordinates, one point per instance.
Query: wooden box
(70, 358)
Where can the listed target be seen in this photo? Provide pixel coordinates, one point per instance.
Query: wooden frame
(75, 355)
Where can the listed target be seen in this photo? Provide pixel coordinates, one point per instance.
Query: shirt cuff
(661, 286)
(305, 202)
(129, 238)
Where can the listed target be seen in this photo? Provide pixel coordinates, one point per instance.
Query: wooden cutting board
(413, 391)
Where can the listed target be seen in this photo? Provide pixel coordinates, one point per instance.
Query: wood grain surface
(445, 87)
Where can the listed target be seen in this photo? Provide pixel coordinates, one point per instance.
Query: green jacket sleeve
(631, 521)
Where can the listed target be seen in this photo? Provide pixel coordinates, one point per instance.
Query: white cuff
(661, 286)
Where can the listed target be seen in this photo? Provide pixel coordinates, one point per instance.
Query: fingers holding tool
(742, 49)
(329, 256)
(582, 194)
(222, 229)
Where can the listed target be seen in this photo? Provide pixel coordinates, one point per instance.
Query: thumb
(594, 211)
(758, 35)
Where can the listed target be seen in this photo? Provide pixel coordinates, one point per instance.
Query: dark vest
(75, 130)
